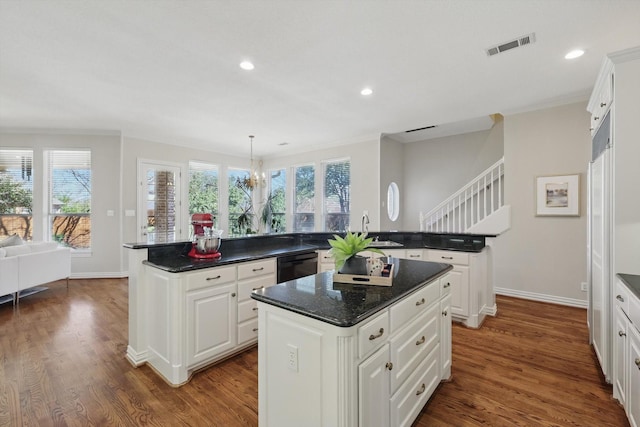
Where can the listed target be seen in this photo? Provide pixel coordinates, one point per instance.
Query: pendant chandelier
(254, 180)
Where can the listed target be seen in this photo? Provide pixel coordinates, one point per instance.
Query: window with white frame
(274, 210)
(304, 199)
(16, 193)
(203, 189)
(337, 195)
(69, 197)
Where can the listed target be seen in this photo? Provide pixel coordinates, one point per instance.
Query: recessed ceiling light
(577, 53)
(366, 91)
(246, 65)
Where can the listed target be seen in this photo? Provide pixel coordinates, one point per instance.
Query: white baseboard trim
(491, 311)
(571, 302)
(100, 275)
(135, 358)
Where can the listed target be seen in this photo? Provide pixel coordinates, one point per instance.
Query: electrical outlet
(292, 361)
(583, 286)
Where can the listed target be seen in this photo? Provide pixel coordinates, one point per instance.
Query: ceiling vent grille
(503, 47)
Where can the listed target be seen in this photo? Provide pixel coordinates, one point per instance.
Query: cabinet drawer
(407, 403)
(210, 277)
(448, 257)
(248, 331)
(445, 285)
(248, 270)
(413, 305)
(415, 254)
(324, 256)
(413, 344)
(373, 334)
(634, 311)
(247, 310)
(245, 287)
(622, 296)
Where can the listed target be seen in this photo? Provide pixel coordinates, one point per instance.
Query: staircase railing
(471, 204)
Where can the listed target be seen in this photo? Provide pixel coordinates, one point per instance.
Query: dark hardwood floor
(62, 364)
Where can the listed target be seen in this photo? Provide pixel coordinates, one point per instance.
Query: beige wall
(543, 255)
(391, 170)
(437, 168)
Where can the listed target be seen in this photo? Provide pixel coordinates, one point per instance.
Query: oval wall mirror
(393, 201)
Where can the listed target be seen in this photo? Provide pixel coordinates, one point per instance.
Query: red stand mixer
(206, 240)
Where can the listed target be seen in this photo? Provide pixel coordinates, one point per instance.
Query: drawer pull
(213, 278)
(414, 256)
(327, 257)
(258, 269)
(233, 294)
(258, 288)
(446, 257)
(637, 362)
(421, 340)
(255, 309)
(422, 301)
(389, 366)
(446, 285)
(603, 104)
(622, 334)
(422, 389)
(619, 298)
(378, 335)
(444, 313)
(255, 329)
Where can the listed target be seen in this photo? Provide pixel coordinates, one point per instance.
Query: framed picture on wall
(558, 195)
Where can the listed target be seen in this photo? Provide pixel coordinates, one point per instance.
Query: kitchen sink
(385, 244)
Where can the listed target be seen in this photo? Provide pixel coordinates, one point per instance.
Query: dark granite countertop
(633, 283)
(175, 259)
(344, 304)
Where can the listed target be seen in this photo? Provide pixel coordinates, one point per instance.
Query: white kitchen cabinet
(211, 325)
(325, 261)
(601, 101)
(621, 343)
(633, 368)
(198, 317)
(379, 372)
(252, 276)
(472, 296)
(445, 327)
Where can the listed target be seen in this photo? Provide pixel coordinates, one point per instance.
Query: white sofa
(32, 264)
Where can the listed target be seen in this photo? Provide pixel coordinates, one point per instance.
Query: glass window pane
(304, 196)
(337, 195)
(273, 215)
(16, 193)
(70, 197)
(241, 215)
(203, 189)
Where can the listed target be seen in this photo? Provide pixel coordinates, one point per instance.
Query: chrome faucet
(365, 222)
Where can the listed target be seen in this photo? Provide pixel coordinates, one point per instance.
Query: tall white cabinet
(614, 208)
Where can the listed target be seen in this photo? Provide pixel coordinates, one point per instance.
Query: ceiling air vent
(503, 47)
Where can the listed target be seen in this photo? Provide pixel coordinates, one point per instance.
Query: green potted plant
(344, 251)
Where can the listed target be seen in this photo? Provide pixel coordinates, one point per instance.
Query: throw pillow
(13, 240)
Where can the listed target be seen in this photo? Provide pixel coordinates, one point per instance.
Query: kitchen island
(337, 354)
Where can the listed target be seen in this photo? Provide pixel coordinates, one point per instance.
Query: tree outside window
(16, 193)
(241, 213)
(337, 195)
(304, 196)
(203, 189)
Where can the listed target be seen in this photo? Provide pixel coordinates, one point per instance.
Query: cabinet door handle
(596, 118)
(422, 389)
(619, 298)
(603, 104)
(622, 334)
(389, 366)
(421, 340)
(258, 269)
(637, 362)
(446, 285)
(213, 278)
(255, 329)
(422, 301)
(446, 257)
(258, 288)
(255, 309)
(233, 294)
(444, 313)
(327, 257)
(378, 335)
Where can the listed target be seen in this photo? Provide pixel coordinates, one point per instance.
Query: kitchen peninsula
(338, 354)
(185, 313)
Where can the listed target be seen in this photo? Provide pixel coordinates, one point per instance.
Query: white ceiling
(168, 71)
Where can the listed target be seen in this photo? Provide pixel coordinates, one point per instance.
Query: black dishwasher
(295, 266)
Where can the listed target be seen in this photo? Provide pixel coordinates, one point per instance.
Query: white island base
(379, 372)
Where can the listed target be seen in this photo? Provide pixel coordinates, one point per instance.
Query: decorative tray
(385, 280)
